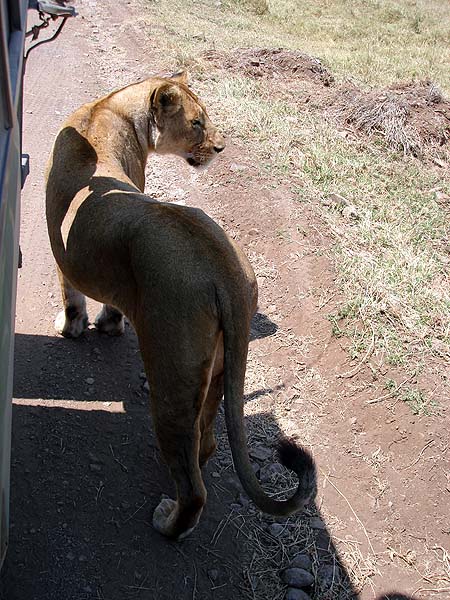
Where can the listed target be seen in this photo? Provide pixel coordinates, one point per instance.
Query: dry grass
(375, 42)
(412, 118)
(387, 116)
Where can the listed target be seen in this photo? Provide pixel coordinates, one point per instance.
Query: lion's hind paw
(110, 322)
(163, 516)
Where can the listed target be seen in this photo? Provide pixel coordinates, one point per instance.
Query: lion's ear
(180, 77)
(166, 99)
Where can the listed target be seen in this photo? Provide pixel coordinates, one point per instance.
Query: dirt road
(86, 472)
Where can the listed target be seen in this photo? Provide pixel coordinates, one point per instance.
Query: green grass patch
(414, 397)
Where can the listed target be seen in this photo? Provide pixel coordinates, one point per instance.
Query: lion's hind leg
(211, 406)
(179, 375)
(110, 321)
(73, 320)
(179, 439)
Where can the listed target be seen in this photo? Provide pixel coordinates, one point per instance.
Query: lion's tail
(236, 330)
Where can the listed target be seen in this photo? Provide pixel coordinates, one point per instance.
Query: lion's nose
(218, 142)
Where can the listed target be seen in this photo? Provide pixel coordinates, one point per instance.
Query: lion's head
(182, 124)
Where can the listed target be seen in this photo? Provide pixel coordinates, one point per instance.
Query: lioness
(188, 290)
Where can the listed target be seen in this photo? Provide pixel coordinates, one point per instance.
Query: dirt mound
(271, 62)
(411, 116)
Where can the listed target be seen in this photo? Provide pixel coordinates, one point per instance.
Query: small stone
(302, 561)
(277, 468)
(296, 577)
(94, 458)
(335, 200)
(253, 231)
(328, 576)
(95, 468)
(439, 346)
(146, 386)
(439, 162)
(142, 375)
(276, 529)
(70, 555)
(316, 523)
(235, 167)
(232, 484)
(90, 380)
(125, 505)
(265, 475)
(350, 212)
(296, 594)
(269, 471)
(256, 468)
(213, 574)
(215, 474)
(82, 558)
(260, 453)
(235, 506)
(442, 197)
(243, 500)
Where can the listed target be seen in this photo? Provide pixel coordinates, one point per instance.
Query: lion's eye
(197, 123)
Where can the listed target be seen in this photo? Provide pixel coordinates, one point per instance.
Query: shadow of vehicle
(86, 476)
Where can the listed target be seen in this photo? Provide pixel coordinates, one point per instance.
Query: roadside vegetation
(376, 42)
(391, 247)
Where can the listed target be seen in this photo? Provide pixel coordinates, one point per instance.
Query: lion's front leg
(73, 320)
(110, 321)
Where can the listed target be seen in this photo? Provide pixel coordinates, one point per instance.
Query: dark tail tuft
(298, 459)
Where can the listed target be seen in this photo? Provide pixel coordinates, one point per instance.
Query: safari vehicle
(13, 170)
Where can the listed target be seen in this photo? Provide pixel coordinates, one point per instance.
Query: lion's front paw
(71, 328)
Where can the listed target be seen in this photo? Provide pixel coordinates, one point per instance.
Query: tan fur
(188, 290)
